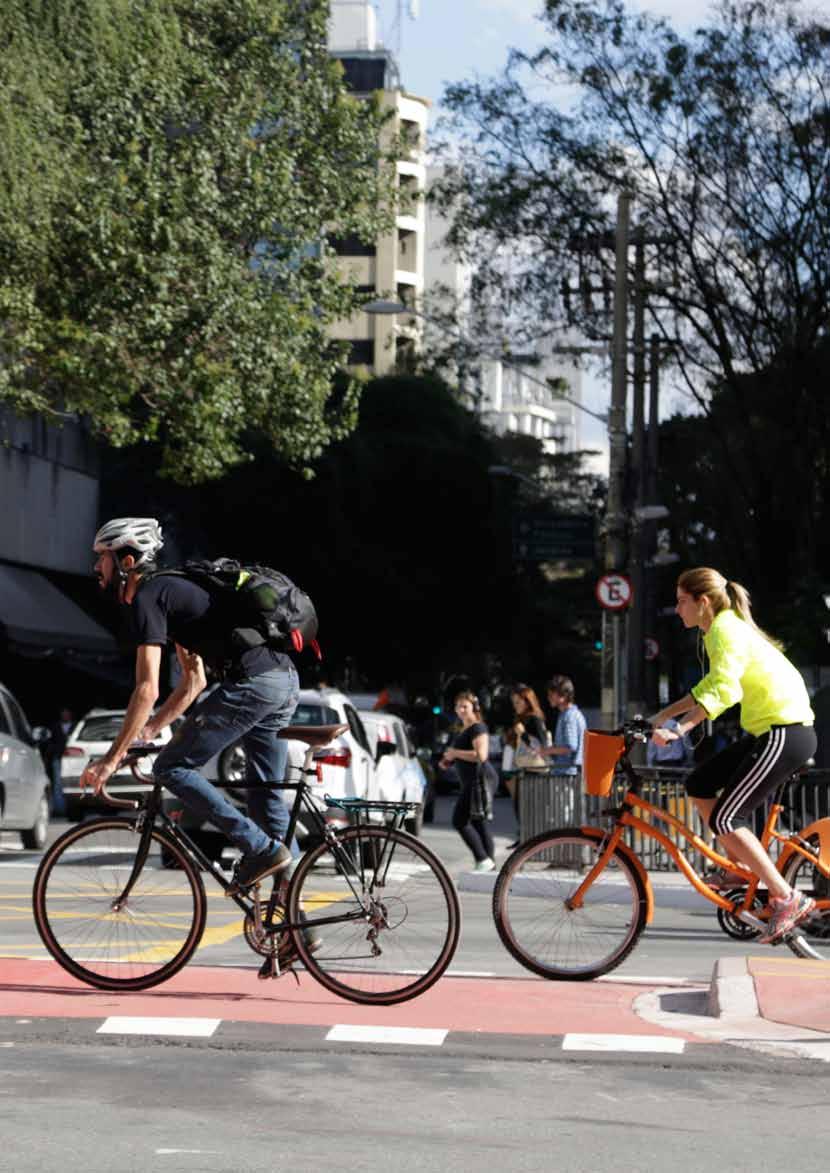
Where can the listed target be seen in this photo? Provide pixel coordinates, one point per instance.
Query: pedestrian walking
(53, 753)
(469, 750)
(568, 742)
(527, 737)
(746, 666)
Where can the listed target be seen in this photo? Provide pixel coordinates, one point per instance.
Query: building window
(351, 246)
(362, 353)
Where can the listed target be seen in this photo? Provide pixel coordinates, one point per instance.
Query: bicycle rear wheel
(89, 931)
(547, 937)
(812, 937)
(397, 916)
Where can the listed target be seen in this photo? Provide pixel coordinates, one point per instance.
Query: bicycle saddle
(312, 734)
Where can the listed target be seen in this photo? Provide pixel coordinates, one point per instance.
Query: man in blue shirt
(569, 735)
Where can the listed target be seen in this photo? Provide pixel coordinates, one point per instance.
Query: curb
(732, 990)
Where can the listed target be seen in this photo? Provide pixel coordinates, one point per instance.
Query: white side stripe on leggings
(771, 753)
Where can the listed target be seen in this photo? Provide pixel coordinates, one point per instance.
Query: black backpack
(263, 605)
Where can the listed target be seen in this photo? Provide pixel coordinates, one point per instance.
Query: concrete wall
(48, 494)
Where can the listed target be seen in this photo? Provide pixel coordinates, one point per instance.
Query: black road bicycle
(371, 912)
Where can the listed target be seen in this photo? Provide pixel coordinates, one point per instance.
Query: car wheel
(232, 768)
(35, 837)
(414, 823)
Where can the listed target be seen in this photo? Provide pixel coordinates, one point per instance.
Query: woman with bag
(528, 737)
(469, 750)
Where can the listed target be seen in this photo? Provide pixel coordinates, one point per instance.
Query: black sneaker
(252, 868)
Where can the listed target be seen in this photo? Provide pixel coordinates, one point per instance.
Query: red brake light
(73, 751)
(340, 757)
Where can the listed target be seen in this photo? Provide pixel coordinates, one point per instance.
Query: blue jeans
(249, 711)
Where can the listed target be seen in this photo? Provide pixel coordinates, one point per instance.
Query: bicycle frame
(626, 817)
(152, 814)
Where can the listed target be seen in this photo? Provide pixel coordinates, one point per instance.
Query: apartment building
(391, 267)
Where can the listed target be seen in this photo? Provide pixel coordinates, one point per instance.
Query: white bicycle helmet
(138, 533)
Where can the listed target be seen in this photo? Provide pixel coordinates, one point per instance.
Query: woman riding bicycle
(746, 667)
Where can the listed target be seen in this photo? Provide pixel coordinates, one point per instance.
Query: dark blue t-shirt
(169, 608)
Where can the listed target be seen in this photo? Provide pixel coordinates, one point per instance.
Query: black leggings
(749, 770)
(474, 832)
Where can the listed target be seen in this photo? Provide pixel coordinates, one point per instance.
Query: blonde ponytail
(723, 595)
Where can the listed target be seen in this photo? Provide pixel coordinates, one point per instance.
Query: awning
(35, 615)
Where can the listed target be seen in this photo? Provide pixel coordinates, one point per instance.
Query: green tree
(168, 170)
(723, 138)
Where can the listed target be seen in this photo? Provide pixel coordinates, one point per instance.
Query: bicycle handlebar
(134, 755)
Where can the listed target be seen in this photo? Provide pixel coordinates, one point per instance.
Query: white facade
(352, 25)
(516, 399)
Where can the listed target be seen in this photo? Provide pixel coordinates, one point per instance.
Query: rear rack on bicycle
(368, 804)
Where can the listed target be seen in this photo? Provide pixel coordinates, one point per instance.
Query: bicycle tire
(547, 938)
(811, 939)
(133, 948)
(416, 910)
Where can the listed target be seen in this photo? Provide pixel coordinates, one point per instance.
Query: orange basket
(601, 753)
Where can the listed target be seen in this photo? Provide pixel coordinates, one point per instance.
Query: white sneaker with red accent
(786, 914)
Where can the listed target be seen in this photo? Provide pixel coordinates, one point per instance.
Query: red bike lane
(480, 1005)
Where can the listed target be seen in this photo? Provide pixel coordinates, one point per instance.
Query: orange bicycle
(571, 903)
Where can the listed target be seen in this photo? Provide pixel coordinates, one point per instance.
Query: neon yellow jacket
(744, 667)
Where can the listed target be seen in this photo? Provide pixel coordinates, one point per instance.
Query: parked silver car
(24, 784)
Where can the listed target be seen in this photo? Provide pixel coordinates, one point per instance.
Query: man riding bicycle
(256, 697)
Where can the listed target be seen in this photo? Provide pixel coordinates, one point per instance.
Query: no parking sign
(614, 592)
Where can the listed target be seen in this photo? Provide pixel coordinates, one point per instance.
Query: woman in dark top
(470, 747)
(529, 731)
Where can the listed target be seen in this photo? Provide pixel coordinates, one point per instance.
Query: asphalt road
(92, 1110)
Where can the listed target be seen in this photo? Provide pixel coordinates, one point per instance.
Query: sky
(453, 40)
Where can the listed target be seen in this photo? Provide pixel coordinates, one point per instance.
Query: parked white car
(24, 784)
(346, 770)
(399, 775)
(91, 738)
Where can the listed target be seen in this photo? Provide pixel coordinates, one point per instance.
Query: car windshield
(100, 729)
(310, 714)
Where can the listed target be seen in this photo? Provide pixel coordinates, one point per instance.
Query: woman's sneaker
(786, 914)
(485, 865)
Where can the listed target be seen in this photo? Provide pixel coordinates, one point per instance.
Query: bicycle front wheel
(384, 911)
(812, 937)
(98, 935)
(545, 935)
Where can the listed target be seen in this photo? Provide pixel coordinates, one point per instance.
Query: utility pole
(652, 457)
(637, 612)
(613, 657)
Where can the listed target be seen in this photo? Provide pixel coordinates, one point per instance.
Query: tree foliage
(723, 139)
(168, 169)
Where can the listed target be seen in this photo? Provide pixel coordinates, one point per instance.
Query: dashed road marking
(413, 1035)
(599, 1042)
(196, 1028)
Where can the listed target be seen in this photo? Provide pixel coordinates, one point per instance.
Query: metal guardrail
(547, 801)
